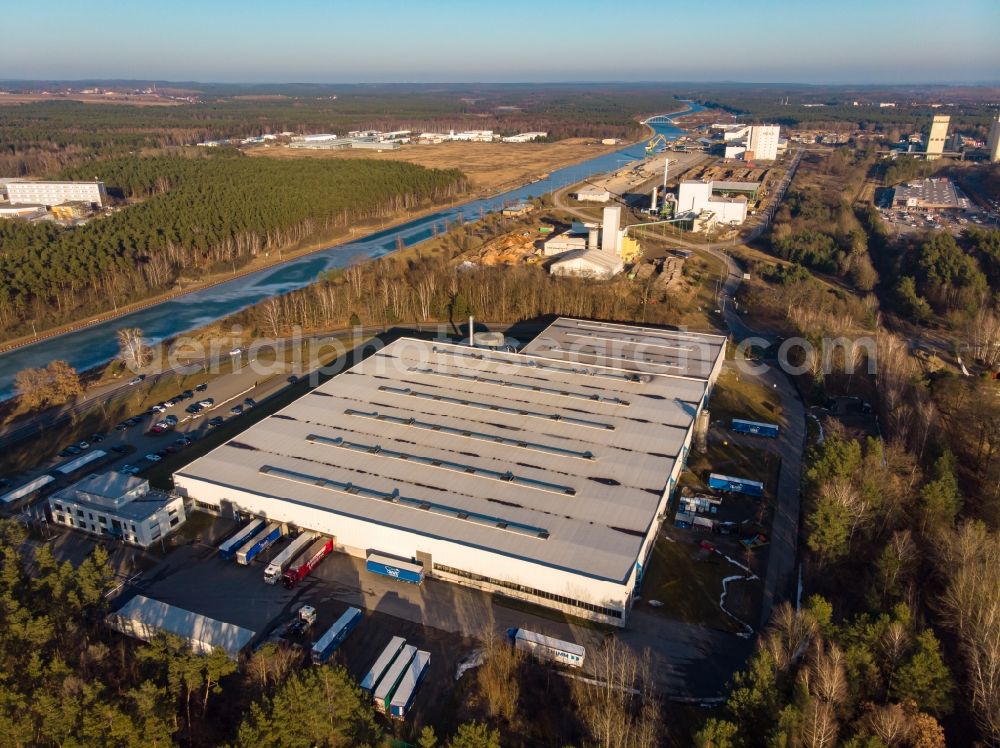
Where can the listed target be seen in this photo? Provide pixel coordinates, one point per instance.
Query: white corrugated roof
(184, 623)
(452, 441)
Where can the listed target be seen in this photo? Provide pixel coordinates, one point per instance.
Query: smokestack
(609, 229)
(666, 168)
(652, 205)
(472, 332)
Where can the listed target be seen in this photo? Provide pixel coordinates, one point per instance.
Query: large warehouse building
(542, 475)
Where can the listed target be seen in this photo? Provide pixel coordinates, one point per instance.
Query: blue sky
(847, 41)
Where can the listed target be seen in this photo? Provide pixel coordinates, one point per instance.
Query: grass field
(688, 581)
(489, 166)
(737, 396)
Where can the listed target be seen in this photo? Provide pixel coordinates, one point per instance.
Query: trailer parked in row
(406, 571)
(335, 636)
(547, 648)
(756, 428)
(387, 686)
(735, 485)
(308, 561)
(370, 682)
(228, 548)
(281, 562)
(402, 699)
(259, 543)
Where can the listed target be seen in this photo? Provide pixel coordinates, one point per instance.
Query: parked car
(193, 408)
(159, 408)
(170, 420)
(161, 453)
(217, 421)
(207, 402)
(139, 379)
(186, 395)
(153, 457)
(133, 421)
(123, 426)
(201, 387)
(172, 402)
(82, 446)
(97, 438)
(249, 402)
(236, 410)
(69, 451)
(181, 442)
(293, 379)
(128, 469)
(119, 449)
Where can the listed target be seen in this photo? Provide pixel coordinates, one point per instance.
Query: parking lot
(439, 616)
(914, 221)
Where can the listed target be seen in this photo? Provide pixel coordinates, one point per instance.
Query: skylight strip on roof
(497, 408)
(533, 363)
(458, 467)
(613, 327)
(643, 359)
(395, 497)
(523, 386)
(482, 436)
(631, 340)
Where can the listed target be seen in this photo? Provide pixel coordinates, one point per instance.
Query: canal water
(97, 344)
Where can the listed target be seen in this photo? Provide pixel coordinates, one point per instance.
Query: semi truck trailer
(370, 682)
(259, 543)
(547, 648)
(405, 571)
(229, 547)
(282, 561)
(387, 686)
(335, 636)
(304, 564)
(402, 699)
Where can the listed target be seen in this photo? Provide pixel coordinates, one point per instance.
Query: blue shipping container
(755, 427)
(735, 485)
(259, 543)
(405, 571)
(335, 636)
(228, 549)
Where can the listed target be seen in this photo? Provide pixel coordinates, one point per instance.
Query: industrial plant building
(116, 505)
(752, 142)
(542, 475)
(56, 193)
(930, 194)
(696, 198)
(586, 256)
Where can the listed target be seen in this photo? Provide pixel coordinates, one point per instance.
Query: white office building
(542, 475)
(762, 142)
(56, 193)
(116, 505)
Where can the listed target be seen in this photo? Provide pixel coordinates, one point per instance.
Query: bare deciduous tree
(133, 349)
